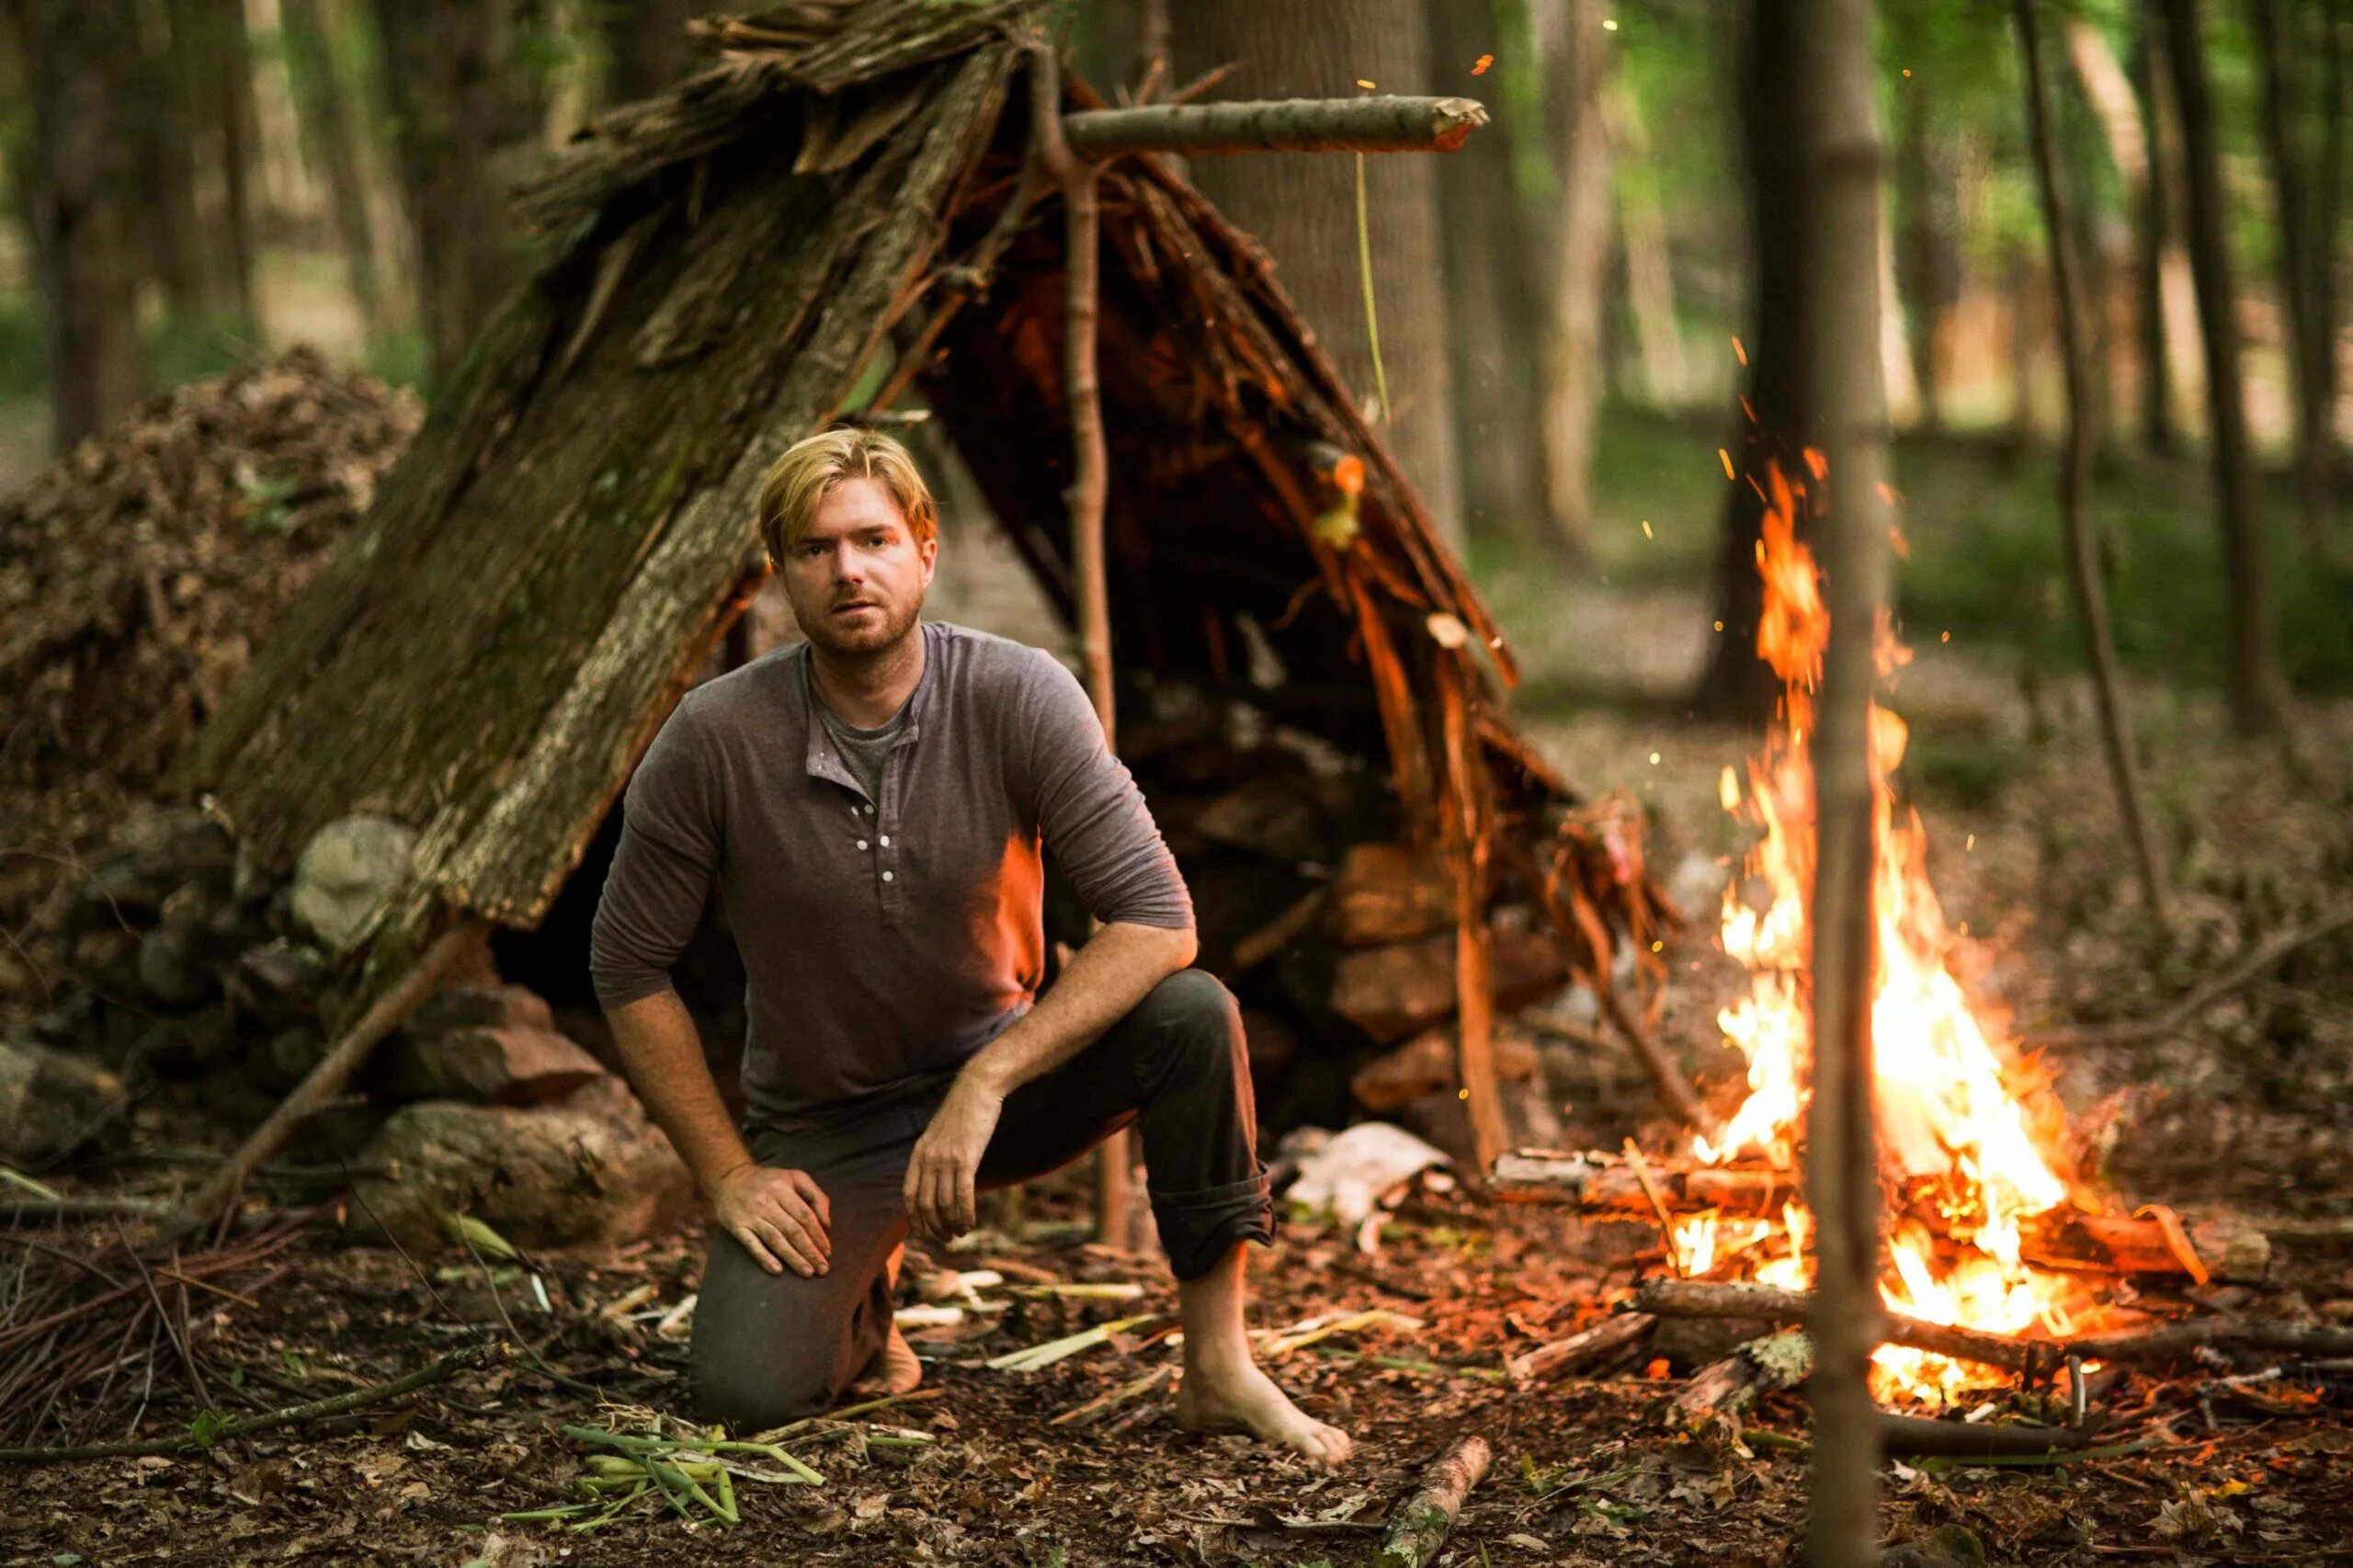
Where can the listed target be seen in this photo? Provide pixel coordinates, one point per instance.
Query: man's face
(857, 576)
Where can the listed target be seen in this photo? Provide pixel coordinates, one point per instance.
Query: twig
(1421, 1524)
(326, 1080)
(1642, 1169)
(2263, 957)
(1605, 1338)
(470, 1359)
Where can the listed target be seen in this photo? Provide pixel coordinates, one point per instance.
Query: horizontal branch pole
(1382, 124)
(1705, 1298)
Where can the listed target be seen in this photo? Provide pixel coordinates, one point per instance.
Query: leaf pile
(139, 574)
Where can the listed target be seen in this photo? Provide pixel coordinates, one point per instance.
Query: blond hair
(798, 482)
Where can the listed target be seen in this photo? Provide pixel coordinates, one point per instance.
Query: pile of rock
(198, 965)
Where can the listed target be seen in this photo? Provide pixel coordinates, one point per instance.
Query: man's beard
(868, 635)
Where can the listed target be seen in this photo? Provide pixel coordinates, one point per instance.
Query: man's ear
(930, 551)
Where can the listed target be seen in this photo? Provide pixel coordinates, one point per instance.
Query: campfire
(2001, 1259)
(1967, 1129)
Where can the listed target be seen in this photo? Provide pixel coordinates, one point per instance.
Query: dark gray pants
(773, 1348)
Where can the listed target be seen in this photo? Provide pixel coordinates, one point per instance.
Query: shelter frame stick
(1089, 485)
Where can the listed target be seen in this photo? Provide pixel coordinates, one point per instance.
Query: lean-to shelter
(833, 218)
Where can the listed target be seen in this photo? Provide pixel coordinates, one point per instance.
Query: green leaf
(207, 1428)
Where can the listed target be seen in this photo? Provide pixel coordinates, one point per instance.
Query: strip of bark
(1293, 125)
(1607, 1339)
(326, 1080)
(470, 1359)
(1591, 1182)
(1421, 1524)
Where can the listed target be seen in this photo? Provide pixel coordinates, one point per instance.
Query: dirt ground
(2247, 1107)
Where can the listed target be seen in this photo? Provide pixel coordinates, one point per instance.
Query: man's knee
(1196, 1017)
(753, 1393)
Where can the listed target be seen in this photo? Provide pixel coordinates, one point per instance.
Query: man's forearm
(663, 1055)
(1117, 969)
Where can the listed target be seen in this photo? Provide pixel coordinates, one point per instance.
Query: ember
(1963, 1126)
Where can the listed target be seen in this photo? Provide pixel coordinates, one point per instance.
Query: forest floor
(2250, 1107)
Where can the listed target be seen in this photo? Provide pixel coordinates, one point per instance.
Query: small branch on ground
(1610, 1338)
(1421, 1524)
(2258, 961)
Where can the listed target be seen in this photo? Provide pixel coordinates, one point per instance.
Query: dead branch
(1712, 1401)
(1607, 1339)
(1421, 1524)
(326, 1080)
(2176, 1342)
(1296, 125)
(2263, 957)
(1673, 1087)
(1602, 1182)
(1707, 1299)
(470, 1359)
(1919, 1437)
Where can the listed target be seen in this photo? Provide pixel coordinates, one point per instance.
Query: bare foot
(894, 1369)
(1248, 1400)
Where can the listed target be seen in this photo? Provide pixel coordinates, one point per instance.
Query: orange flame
(1954, 1137)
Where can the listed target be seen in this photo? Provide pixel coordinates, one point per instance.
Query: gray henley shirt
(887, 934)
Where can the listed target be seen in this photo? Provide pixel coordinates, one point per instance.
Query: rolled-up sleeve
(661, 877)
(1091, 815)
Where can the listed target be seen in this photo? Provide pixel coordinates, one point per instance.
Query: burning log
(1703, 1298)
(1421, 1524)
(1610, 1336)
(1596, 1181)
(2153, 1242)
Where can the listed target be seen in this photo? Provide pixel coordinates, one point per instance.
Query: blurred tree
(1777, 409)
(469, 103)
(2258, 693)
(1487, 284)
(646, 47)
(1302, 207)
(329, 144)
(83, 193)
(1575, 263)
(171, 232)
(220, 70)
(1927, 269)
(1642, 225)
(2074, 471)
(2301, 50)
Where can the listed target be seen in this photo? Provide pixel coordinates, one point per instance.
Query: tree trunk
(1738, 685)
(2257, 691)
(85, 180)
(2074, 466)
(171, 232)
(1574, 260)
(1650, 277)
(2115, 104)
(1303, 208)
(1841, 167)
(220, 72)
(2152, 229)
(470, 110)
(2306, 196)
(646, 47)
(1488, 293)
(327, 139)
(1922, 273)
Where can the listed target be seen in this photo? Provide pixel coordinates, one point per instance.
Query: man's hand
(780, 1217)
(941, 1175)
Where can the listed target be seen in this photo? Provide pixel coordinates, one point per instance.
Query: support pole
(1839, 163)
(1089, 482)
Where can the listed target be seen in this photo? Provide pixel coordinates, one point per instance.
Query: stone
(346, 876)
(278, 982)
(1274, 816)
(493, 1007)
(590, 1169)
(1426, 1062)
(1389, 892)
(172, 969)
(149, 857)
(50, 1101)
(1393, 991)
(495, 1066)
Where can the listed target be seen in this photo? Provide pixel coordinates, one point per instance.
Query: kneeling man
(873, 806)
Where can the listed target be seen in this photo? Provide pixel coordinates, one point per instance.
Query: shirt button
(869, 810)
(861, 843)
(886, 876)
(886, 841)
